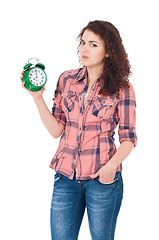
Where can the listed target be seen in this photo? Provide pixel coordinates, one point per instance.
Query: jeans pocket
(110, 184)
(57, 178)
(107, 183)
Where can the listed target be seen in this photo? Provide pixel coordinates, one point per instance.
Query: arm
(107, 172)
(54, 127)
(122, 153)
(50, 122)
(127, 135)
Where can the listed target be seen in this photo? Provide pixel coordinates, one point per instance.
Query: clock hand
(36, 72)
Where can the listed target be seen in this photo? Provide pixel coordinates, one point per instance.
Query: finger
(95, 175)
(23, 83)
(42, 90)
(21, 77)
(44, 87)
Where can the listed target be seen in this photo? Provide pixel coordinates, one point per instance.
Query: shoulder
(72, 74)
(127, 92)
(67, 77)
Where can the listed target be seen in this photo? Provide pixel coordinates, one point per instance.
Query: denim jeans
(71, 197)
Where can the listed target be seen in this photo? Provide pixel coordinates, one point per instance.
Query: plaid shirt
(87, 141)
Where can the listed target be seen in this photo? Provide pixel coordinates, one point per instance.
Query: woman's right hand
(35, 95)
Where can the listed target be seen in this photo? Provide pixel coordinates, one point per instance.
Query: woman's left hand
(106, 173)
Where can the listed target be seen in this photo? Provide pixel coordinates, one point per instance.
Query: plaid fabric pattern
(87, 142)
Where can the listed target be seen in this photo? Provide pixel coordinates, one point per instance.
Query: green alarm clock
(34, 75)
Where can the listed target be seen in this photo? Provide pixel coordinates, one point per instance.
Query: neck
(94, 73)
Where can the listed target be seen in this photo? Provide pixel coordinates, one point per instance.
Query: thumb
(95, 175)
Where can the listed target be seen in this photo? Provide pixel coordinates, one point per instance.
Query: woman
(89, 103)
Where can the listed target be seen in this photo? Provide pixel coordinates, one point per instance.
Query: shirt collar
(82, 74)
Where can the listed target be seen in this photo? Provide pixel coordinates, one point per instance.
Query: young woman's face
(92, 50)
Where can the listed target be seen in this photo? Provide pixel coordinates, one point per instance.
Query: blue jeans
(71, 197)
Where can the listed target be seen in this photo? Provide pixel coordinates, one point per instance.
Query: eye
(93, 45)
(82, 42)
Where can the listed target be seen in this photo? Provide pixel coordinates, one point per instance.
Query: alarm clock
(34, 76)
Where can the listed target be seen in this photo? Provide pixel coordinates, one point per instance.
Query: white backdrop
(47, 30)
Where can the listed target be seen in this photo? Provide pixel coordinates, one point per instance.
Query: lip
(85, 57)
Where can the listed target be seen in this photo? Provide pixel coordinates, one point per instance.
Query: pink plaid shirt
(87, 142)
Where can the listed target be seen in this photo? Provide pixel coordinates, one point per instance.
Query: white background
(48, 30)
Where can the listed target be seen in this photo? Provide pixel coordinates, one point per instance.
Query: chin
(85, 64)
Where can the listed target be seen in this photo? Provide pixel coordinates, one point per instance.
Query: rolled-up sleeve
(57, 103)
(127, 116)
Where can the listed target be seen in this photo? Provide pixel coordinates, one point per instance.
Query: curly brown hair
(116, 67)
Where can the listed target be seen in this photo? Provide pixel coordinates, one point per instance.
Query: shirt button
(80, 128)
(79, 182)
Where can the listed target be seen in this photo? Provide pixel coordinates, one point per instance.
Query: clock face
(37, 77)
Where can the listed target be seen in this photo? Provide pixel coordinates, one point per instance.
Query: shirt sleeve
(57, 111)
(127, 116)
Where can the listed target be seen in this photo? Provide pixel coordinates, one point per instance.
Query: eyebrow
(90, 41)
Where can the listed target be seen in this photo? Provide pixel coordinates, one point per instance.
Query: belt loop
(74, 175)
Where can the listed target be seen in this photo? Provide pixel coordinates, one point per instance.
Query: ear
(107, 55)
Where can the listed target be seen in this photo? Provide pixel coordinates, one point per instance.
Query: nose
(85, 48)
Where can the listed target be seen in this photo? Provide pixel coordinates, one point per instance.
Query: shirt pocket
(68, 101)
(102, 107)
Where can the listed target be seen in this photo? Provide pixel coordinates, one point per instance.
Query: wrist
(112, 164)
(38, 99)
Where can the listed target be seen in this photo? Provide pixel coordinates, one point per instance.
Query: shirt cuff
(128, 135)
